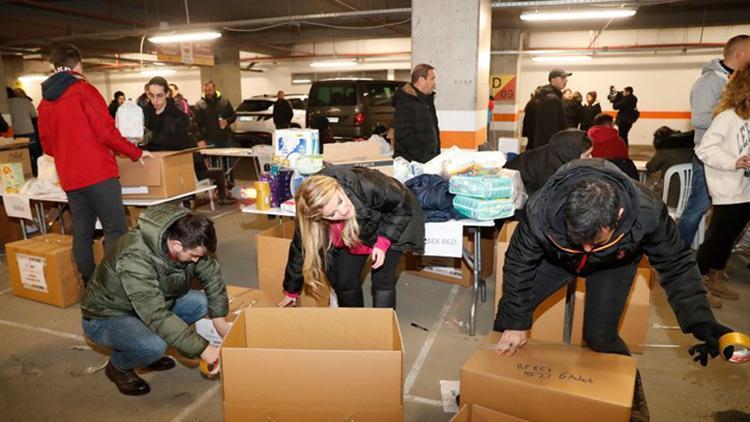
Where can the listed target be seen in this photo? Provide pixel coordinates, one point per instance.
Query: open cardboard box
(476, 413)
(272, 248)
(313, 364)
(43, 269)
(550, 382)
(549, 315)
(168, 174)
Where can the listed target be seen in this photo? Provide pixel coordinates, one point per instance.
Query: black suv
(352, 108)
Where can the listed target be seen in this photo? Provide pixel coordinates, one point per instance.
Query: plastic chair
(685, 176)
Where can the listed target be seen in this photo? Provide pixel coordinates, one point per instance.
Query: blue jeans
(697, 205)
(133, 344)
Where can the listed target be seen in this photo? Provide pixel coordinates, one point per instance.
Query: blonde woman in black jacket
(345, 215)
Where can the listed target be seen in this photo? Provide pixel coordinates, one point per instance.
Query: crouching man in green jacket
(139, 299)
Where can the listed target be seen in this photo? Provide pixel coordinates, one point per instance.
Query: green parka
(137, 278)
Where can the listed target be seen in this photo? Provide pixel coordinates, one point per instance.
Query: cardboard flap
(13, 143)
(133, 173)
(352, 151)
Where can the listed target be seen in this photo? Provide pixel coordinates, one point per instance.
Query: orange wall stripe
(504, 117)
(461, 139)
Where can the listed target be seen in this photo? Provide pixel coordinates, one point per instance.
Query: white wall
(661, 81)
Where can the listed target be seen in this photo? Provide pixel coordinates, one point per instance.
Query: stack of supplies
(487, 196)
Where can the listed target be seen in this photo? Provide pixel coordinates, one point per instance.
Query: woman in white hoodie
(725, 152)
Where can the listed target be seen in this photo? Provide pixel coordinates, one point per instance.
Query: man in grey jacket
(703, 98)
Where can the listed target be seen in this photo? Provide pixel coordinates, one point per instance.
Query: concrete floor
(43, 358)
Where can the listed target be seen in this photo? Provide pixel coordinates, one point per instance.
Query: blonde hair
(314, 193)
(737, 94)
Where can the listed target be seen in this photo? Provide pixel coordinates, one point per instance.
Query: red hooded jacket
(76, 129)
(607, 142)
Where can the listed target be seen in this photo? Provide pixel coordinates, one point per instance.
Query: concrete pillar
(505, 65)
(454, 37)
(225, 73)
(3, 96)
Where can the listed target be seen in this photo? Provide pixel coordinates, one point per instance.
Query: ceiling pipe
(548, 3)
(75, 12)
(611, 48)
(321, 56)
(213, 25)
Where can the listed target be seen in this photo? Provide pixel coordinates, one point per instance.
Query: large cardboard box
(240, 299)
(358, 154)
(549, 315)
(272, 249)
(452, 270)
(476, 413)
(550, 382)
(16, 151)
(168, 174)
(313, 364)
(43, 269)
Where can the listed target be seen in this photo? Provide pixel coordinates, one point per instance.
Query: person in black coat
(417, 135)
(572, 109)
(214, 114)
(529, 117)
(167, 130)
(590, 110)
(345, 215)
(116, 102)
(590, 220)
(539, 164)
(550, 117)
(282, 112)
(626, 105)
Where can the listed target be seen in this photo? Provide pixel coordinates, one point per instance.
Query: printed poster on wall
(198, 53)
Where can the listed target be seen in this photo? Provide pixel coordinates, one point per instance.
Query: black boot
(639, 411)
(384, 298)
(127, 381)
(162, 364)
(351, 299)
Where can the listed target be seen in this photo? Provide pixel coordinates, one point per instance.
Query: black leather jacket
(646, 227)
(384, 207)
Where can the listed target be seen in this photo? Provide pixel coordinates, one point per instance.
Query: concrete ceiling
(105, 28)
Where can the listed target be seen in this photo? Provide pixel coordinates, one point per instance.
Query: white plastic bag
(47, 171)
(34, 187)
(129, 120)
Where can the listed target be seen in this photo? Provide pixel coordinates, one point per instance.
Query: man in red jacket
(76, 129)
(605, 138)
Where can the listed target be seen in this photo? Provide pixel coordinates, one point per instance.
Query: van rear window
(380, 94)
(333, 95)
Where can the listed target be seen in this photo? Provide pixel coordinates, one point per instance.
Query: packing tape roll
(735, 347)
(206, 370)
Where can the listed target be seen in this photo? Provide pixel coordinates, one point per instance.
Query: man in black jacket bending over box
(591, 220)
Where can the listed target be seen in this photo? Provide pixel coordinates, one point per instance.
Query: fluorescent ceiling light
(157, 72)
(188, 36)
(568, 15)
(334, 63)
(301, 81)
(562, 59)
(32, 78)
